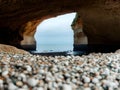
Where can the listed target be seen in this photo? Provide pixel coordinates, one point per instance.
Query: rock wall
(27, 32)
(15, 15)
(102, 26)
(100, 19)
(79, 35)
(11, 49)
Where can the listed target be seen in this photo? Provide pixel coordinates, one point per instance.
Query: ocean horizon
(54, 47)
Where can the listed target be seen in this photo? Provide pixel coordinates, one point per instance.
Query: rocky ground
(96, 71)
(34, 72)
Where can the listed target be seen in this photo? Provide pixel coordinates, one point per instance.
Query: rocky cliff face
(102, 24)
(11, 49)
(19, 18)
(79, 35)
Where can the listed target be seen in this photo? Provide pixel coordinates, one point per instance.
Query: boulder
(11, 49)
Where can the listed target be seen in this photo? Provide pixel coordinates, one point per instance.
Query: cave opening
(55, 34)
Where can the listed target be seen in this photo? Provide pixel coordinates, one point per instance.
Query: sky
(55, 32)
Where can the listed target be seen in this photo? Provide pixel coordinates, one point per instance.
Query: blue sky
(55, 31)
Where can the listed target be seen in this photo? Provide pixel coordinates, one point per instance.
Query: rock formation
(11, 49)
(79, 36)
(19, 18)
(102, 24)
(28, 31)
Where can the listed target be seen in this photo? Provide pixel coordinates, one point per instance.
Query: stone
(95, 80)
(79, 35)
(11, 49)
(1, 84)
(67, 87)
(5, 73)
(117, 51)
(86, 79)
(32, 82)
(28, 68)
(25, 87)
(87, 88)
(23, 77)
(39, 88)
(1, 81)
(11, 86)
(106, 71)
(19, 83)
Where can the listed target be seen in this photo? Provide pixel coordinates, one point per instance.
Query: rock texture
(27, 32)
(102, 24)
(11, 50)
(79, 35)
(100, 19)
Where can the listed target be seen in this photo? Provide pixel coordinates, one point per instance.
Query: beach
(95, 71)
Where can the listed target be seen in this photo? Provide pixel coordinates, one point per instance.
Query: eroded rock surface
(11, 49)
(102, 24)
(100, 19)
(79, 35)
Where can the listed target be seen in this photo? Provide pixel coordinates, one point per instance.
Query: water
(54, 47)
(78, 49)
(57, 49)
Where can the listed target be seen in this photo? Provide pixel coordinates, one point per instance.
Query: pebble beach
(95, 71)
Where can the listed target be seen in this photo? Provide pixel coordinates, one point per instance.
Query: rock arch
(101, 18)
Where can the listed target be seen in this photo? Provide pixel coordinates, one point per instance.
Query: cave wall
(102, 25)
(27, 32)
(100, 19)
(10, 36)
(17, 15)
(77, 27)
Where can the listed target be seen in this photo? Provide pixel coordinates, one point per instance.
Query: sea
(65, 49)
(57, 49)
(54, 47)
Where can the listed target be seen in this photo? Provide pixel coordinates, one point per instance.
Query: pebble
(56, 60)
(11, 86)
(5, 73)
(39, 88)
(32, 82)
(95, 80)
(41, 71)
(1, 81)
(19, 83)
(25, 87)
(106, 71)
(48, 79)
(1, 84)
(28, 68)
(87, 88)
(66, 63)
(67, 87)
(95, 71)
(86, 79)
(23, 77)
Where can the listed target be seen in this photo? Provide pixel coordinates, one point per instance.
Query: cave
(19, 19)
(97, 23)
